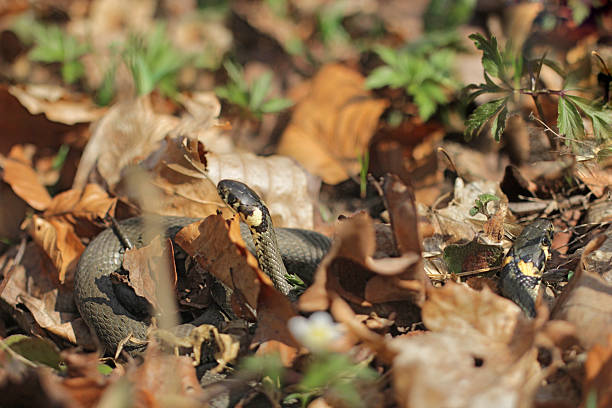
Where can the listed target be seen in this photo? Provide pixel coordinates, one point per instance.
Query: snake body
(108, 308)
(524, 264)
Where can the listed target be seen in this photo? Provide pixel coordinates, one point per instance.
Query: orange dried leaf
(598, 375)
(150, 267)
(59, 242)
(218, 247)
(333, 124)
(25, 183)
(587, 301)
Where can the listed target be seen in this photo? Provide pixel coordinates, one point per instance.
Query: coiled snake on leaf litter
(108, 308)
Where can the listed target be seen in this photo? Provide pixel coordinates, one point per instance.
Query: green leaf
(569, 120)
(447, 14)
(276, 105)
(601, 118)
(491, 57)
(259, 90)
(381, 77)
(387, 54)
(105, 369)
(481, 115)
(106, 92)
(72, 71)
(34, 349)
(427, 106)
(499, 123)
(234, 71)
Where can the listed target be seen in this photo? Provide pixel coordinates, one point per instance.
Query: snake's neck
(270, 260)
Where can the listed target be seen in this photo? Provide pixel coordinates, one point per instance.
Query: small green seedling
(480, 204)
(250, 98)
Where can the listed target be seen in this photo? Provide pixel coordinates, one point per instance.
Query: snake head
(532, 247)
(244, 201)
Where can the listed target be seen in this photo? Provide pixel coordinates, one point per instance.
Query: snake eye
(545, 241)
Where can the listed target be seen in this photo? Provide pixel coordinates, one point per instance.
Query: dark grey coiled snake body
(107, 314)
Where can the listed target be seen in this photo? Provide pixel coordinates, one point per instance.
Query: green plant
(480, 204)
(153, 62)
(52, 45)
(511, 75)
(422, 69)
(364, 165)
(253, 97)
(335, 374)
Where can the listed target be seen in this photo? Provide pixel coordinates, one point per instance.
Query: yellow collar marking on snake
(528, 268)
(255, 218)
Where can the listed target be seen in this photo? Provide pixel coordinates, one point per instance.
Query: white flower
(317, 332)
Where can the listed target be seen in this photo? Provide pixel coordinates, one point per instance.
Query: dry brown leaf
(455, 220)
(595, 174)
(598, 376)
(587, 301)
(460, 310)
(84, 382)
(56, 230)
(164, 380)
(444, 370)
(33, 284)
(272, 335)
(25, 183)
(332, 126)
(284, 186)
(82, 208)
(145, 265)
(59, 242)
(484, 338)
(129, 131)
(57, 103)
(217, 246)
(350, 271)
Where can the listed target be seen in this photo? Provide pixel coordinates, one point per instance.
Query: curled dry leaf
(455, 220)
(69, 216)
(25, 183)
(469, 373)
(153, 386)
(218, 247)
(350, 271)
(59, 242)
(129, 131)
(595, 174)
(485, 339)
(598, 376)
(149, 268)
(332, 126)
(84, 382)
(286, 188)
(272, 335)
(587, 300)
(57, 103)
(33, 284)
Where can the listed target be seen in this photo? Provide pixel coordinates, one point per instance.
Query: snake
(524, 264)
(114, 312)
